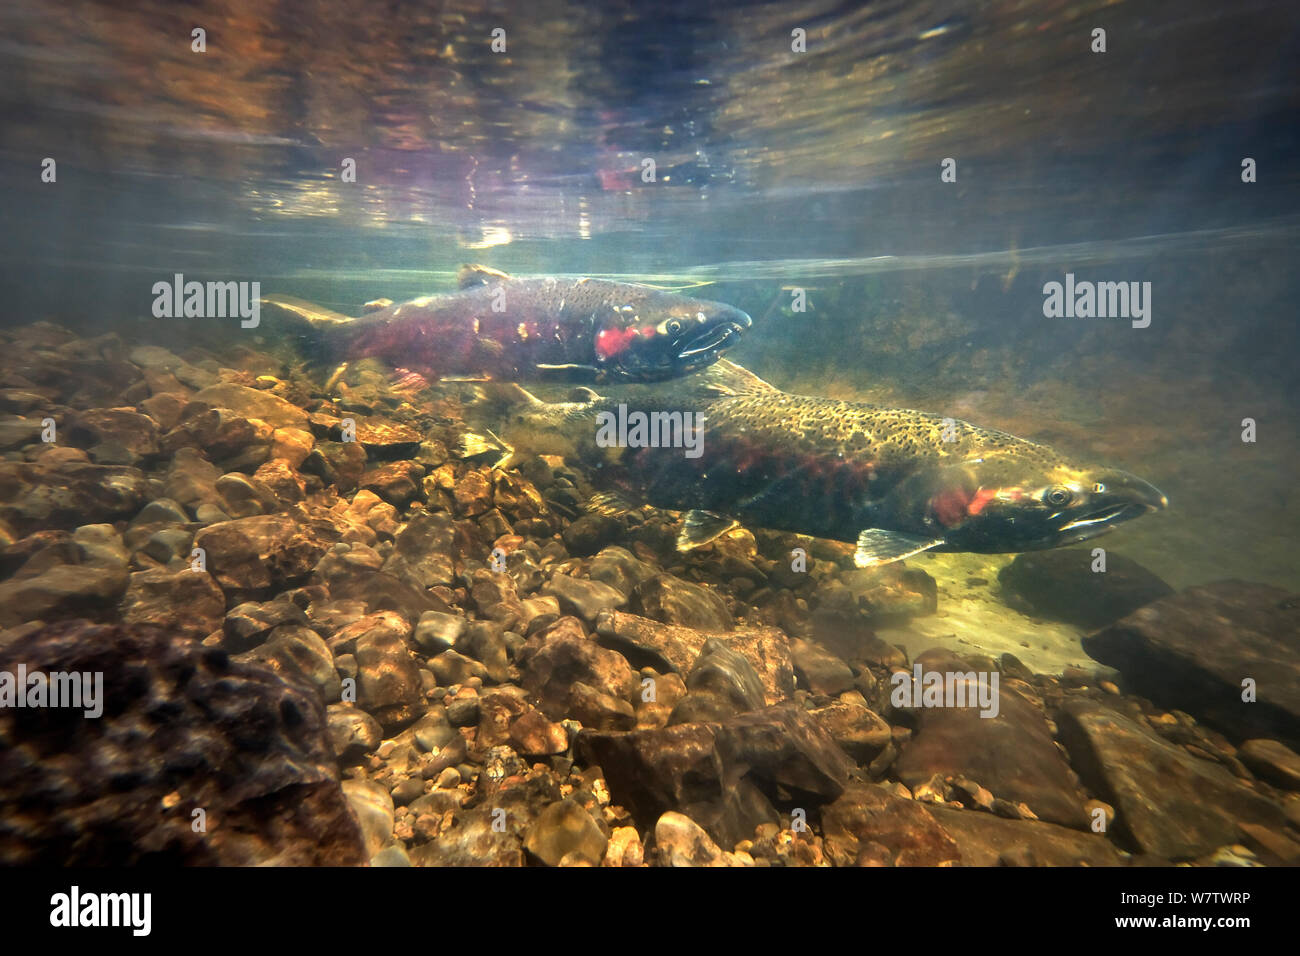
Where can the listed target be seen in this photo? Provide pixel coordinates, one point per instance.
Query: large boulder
(1196, 650)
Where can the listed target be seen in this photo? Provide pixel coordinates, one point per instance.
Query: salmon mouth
(1099, 520)
(706, 347)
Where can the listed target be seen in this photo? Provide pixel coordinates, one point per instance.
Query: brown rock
(1166, 801)
(1012, 754)
(187, 603)
(867, 813)
(263, 552)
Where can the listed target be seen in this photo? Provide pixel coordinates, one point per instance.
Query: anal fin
(701, 527)
(877, 546)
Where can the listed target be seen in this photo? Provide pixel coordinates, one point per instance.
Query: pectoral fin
(701, 527)
(877, 546)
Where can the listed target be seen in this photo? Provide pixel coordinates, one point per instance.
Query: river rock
(1060, 585)
(584, 598)
(397, 482)
(620, 569)
(353, 732)
(246, 745)
(1167, 802)
(785, 746)
(721, 684)
(483, 641)
(1272, 761)
(191, 479)
(254, 403)
(188, 603)
(1012, 754)
(651, 772)
(867, 814)
(680, 841)
(860, 732)
(591, 532)
(259, 554)
(1191, 652)
(59, 492)
(666, 647)
(373, 807)
(818, 670)
(388, 682)
(598, 709)
(85, 574)
(297, 649)
(113, 436)
(340, 464)
(564, 828)
(472, 840)
(554, 659)
(424, 552)
(532, 734)
(674, 601)
(249, 624)
(987, 840)
(436, 631)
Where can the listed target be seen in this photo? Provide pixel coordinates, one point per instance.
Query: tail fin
(315, 316)
(317, 327)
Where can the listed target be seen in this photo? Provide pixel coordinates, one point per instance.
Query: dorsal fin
(724, 377)
(469, 275)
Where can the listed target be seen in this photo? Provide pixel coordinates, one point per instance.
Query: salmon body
(893, 481)
(519, 329)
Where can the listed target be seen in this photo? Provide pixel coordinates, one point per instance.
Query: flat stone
(1167, 802)
(1192, 651)
(1012, 754)
(819, 670)
(1272, 761)
(254, 403)
(988, 840)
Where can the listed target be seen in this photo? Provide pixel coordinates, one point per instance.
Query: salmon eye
(674, 326)
(1057, 496)
(1099, 489)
